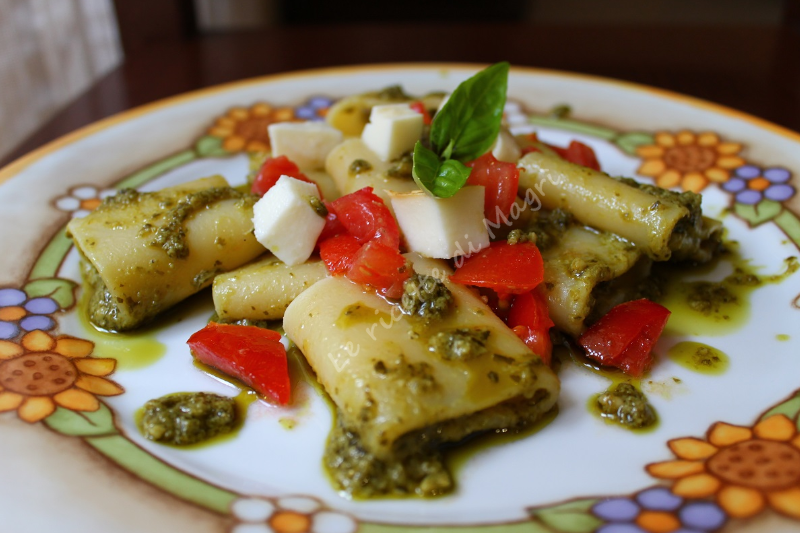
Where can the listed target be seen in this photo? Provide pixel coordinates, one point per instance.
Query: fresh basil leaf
(451, 177)
(425, 168)
(472, 115)
(438, 178)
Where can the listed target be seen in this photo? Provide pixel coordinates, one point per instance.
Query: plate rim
(18, 165)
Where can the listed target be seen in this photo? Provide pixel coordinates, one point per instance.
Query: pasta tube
(264, 289)
(605, 203)
(397, 399)
(144, 252)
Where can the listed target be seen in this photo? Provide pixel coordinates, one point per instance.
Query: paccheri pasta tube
(575, 265)
(264, 289)
(661, 223)
(353, 166)
(143, 252)
(403, 387)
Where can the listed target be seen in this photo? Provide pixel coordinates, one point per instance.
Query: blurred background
(66, 63)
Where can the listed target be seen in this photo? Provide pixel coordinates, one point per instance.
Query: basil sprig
(461, 131)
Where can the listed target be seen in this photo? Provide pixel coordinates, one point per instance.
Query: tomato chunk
(506, 268)
(381, 267)
(625, 336)
(576, 152)
(253, 355)
(339, 252)
(367, 218)
(333, 226)
(530, 320)
(271, 171)
(580, 154)
(419, 107)
(500, 181)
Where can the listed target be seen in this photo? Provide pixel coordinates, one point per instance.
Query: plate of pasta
(391, 298)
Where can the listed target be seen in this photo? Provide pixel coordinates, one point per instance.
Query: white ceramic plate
(726, 454)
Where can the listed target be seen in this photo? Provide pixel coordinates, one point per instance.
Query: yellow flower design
(245, 129)
(689, 160)
(42, 372)
(744, 469)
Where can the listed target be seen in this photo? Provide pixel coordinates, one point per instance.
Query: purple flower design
(314, 108)
(634, 514)
(18, 313)
(751, 184)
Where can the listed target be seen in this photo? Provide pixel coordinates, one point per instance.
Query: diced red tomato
(381, 267)
(625, 336)
(339, 252)
(253, 355)
(367, 218)
(580, 154)
(419, 107)
(530, 320)
(271, 171)
(500, 181)
(332, 228)
(576, 152)
(506, 268)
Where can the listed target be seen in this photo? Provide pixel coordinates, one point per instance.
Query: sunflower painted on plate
(44, 372)
(244, 129)
(689, 160)
(744, 469)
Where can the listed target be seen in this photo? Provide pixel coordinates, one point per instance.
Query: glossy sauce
(132, 351)
(699, 358)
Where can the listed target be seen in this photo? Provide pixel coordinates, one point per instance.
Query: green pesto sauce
(402, 167)
(171, 236)
(545, 228)
(426, 297)
(241, 402)
(317, 205)
(287, 423)
(460, 344)
(185, 418)
(458, 456)
(714, 307)
(361, 313)
(206, 276)
(132, 351)
(358, 166)
(624, 405)
(563, 352)
(699, 358)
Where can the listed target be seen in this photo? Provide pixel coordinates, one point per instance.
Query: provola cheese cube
(286, 222)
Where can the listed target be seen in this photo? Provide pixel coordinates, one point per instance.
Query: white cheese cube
(307, 144)
(285, 221)
(392, 130)
(442, 228)
(505, 148)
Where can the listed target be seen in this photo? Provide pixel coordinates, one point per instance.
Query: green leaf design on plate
(158, 168)
(60, 290)
(573, 125)
(790, 224)
(759, 213)
(519, 527)
(82, 424)
(628, 142)
(790, 408)
(209, 146)
(153, 470)
(571, 517)
(52, 255)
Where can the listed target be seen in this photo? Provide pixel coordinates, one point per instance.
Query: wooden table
(753, 69)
